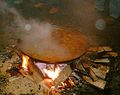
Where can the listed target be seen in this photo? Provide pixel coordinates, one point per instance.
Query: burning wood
(63, 75)
(46, 85)
(92, 75)
(25, 62)
(32, 69)
(35, 72)
(38, 77)
(58, 79)
(52, 72)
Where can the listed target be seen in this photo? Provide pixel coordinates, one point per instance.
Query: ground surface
(75, 14)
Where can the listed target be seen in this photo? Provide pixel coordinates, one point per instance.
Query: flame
(71, 82)
(25, 62)
(53, 74)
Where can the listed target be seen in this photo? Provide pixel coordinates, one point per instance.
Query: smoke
(33, 33)
(39, 38)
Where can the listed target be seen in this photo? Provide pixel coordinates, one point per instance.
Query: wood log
(103, 60)
(111, 54)
(99, 83)
(101, 71)
(64, 74)
(80, 67)
(37, 75)
(35, 72)
(86, 67)
(92, 75)
(100, 49)
(95, 74)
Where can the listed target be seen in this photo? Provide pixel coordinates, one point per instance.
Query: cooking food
(62, 45)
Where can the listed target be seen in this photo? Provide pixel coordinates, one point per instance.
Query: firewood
(106, 48)
(80, 66)
(64, 74)
(93, 75)
(103, 60)
(99, 83)
(46, 85)
(111, 54)
(86, 67)
(35, 72)
(100, 49)
(37, 75)
(101, 71)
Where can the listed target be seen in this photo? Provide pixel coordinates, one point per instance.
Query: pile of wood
(92, 68)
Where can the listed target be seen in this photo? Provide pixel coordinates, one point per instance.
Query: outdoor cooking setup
(49, 48)
(52, 77)
(66, 67)
(58, 66)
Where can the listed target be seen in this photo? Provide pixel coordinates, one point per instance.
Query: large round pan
(63, 45)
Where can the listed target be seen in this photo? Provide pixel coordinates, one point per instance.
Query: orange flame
(53, 74)
(25, 62)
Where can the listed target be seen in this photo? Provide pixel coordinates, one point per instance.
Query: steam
(40, 39)
(33, 33)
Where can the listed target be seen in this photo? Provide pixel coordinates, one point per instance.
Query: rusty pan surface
(63, 45)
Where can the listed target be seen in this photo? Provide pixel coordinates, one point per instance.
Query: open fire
(57, 77)
(50, 71)
(25, 62)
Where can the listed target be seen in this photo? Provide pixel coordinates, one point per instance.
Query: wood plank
(111, 54)
(64, 74)
(35, 72)
(87, 69)
(101, 71)
(103, 60)
(100, 49)
(99, 83)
